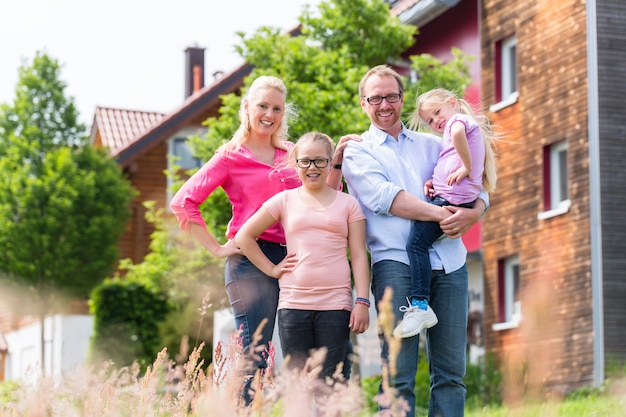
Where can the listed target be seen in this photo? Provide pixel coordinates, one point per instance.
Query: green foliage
(422, 384)
(126, 322)
(322, 67)
(371, 34)
(188, 276)
(369, 386)
(484, 382)
(41, 117)
(60, 226)
(63, 204)
(432, 73)
(605, 406)
(8, 391)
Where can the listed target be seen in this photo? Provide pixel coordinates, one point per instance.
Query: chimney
(194, 69)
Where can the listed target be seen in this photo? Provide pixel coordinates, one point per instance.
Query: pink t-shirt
(468, 189)
(247, 183)
(319, 238)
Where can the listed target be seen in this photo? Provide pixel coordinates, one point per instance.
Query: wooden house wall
(552, 349)
(147, 176)
(611, 28)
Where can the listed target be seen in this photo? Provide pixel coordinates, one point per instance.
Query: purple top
(468, 189)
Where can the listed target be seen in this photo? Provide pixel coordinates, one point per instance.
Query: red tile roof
(119, 128)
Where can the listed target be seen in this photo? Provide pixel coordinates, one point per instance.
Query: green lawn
(601, 406)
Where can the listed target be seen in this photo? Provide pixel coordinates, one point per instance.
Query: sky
(130, 53)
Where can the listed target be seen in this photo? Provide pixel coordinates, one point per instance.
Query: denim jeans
(302, 331)
(423, 235)
(253, 297)
(445, 343)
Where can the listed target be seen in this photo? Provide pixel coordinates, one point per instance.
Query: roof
(420, 12)
(400, 6)
(130, 134)
(117, 129)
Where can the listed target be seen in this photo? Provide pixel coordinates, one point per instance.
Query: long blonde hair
(440, 96)
(242, 133)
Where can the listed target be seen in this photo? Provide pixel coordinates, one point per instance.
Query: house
(554, 240)
(142, 141)
(546, 265)
(551, 247)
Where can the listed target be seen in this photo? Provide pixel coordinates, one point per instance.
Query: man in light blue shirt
(386, 172)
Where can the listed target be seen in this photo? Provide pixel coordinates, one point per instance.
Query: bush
(483, 381)
(127, 315)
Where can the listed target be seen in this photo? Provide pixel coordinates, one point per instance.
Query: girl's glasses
(319, 163)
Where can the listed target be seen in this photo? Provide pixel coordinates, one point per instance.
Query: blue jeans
(423, 235)
(445, 343)
(302, 331)
(253, 297)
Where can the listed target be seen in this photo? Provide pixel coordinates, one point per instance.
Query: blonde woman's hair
(312, 137)
(242, 134)
(439, 96)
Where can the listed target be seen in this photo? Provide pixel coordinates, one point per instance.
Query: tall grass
(187, 387)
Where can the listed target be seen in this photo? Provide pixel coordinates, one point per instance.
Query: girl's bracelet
(364, 301)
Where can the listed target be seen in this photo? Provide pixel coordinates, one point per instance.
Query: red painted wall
(457, 27)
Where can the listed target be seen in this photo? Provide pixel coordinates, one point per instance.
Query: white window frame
(559, 189)
(509, 67)
(512, 300)
(508, 74)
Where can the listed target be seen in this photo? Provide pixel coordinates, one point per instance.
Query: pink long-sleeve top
(248, 183)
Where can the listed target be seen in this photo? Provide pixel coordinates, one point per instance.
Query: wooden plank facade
(611, 141)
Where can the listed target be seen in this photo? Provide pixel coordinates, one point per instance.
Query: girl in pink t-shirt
(315, 307)
(465, 167)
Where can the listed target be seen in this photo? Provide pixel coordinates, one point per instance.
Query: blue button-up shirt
(376, 170)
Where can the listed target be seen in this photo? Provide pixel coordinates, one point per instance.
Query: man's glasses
(319, 163)
(391, 98)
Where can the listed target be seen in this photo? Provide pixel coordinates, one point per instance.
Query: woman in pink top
(315, 307)
(250, 168)
(465, 167)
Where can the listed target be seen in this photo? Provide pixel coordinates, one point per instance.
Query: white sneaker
(414, 321)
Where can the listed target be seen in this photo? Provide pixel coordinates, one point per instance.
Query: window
(182, 154)
(181, 157)
(509, 301)
(555, 194)
(505, 73)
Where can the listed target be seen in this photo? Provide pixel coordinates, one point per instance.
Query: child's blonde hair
(312, 137)
(263, 82)
(440, 96)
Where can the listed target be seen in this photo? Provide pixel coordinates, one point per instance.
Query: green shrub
(483, 381)
(8, 391)
(127, 315)
(369, 386)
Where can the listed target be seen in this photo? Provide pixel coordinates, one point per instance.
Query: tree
(63, 204)
(322, 68)
(181, 269)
